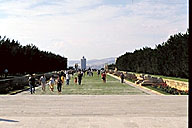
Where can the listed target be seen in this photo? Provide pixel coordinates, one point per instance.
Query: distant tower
(83, 63)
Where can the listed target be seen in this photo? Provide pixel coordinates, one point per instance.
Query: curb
(18, 91)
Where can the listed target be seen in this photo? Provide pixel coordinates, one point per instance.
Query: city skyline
(95, 29)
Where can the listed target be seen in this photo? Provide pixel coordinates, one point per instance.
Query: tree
(28, 59)
(170, 58)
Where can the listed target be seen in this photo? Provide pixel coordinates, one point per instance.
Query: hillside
(95, 63)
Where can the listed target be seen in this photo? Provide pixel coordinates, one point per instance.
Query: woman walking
(103, 76)
(43, 82)
(51, 83)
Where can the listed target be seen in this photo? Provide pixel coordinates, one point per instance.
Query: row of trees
(169, 59)
(27, 59)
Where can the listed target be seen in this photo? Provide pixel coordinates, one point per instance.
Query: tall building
(83, 63)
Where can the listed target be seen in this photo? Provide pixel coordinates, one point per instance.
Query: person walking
(62, 78)
(67, 78)
(103, 76)
(98, 72)
(75, 80)
(122, 77)
(43, 82)
(32, 84)
(59, 84)
(51, 83)
(92, 73)
(80, 75)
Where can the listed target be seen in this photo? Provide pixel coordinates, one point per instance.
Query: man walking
(80, 75)
(122, 77)
(59, 84)
(67, 78)
(32, 84)
(43, 82)
(98, 72)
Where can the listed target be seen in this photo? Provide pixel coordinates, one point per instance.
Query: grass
(158, 90)
(94, 86)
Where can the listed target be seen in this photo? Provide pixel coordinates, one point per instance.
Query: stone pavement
(93, 111)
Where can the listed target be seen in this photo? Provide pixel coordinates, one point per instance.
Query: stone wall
(180, 85)
(17, 82)
(147, 79)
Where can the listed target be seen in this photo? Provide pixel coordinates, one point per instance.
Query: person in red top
(103, 76)
(75, 80)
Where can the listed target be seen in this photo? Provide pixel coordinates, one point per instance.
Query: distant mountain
(95, 63)
(73, 62)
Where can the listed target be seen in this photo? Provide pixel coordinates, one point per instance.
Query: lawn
(158, 90)
(94, 86)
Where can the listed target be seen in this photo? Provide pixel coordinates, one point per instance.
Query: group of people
(60, 80)
(103, 76)
(76, 79)
(89, 73)
(52, 81)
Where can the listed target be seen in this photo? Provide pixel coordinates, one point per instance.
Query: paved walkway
(93, 111)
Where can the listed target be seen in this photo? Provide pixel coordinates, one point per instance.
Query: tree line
(169, 58)
(27, 59)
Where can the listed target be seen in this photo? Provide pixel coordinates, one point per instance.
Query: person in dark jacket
(122, 77)
(32, 84)
(59, 84)
(80, 75)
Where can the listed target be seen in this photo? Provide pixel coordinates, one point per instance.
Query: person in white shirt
(43, 82)
(52, 83)
(67, 78)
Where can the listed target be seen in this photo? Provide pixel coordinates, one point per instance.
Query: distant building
(83, 63)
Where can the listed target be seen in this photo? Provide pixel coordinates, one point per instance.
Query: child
(75, 80)
(103, 76)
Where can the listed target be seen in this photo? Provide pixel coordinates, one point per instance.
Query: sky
(95, 29)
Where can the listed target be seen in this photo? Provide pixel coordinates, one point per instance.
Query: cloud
(92, 28)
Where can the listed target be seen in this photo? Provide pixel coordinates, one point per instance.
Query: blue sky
(92, 28)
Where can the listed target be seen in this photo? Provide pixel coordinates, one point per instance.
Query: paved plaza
(93, 111)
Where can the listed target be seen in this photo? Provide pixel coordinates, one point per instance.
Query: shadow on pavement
(6, 120)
